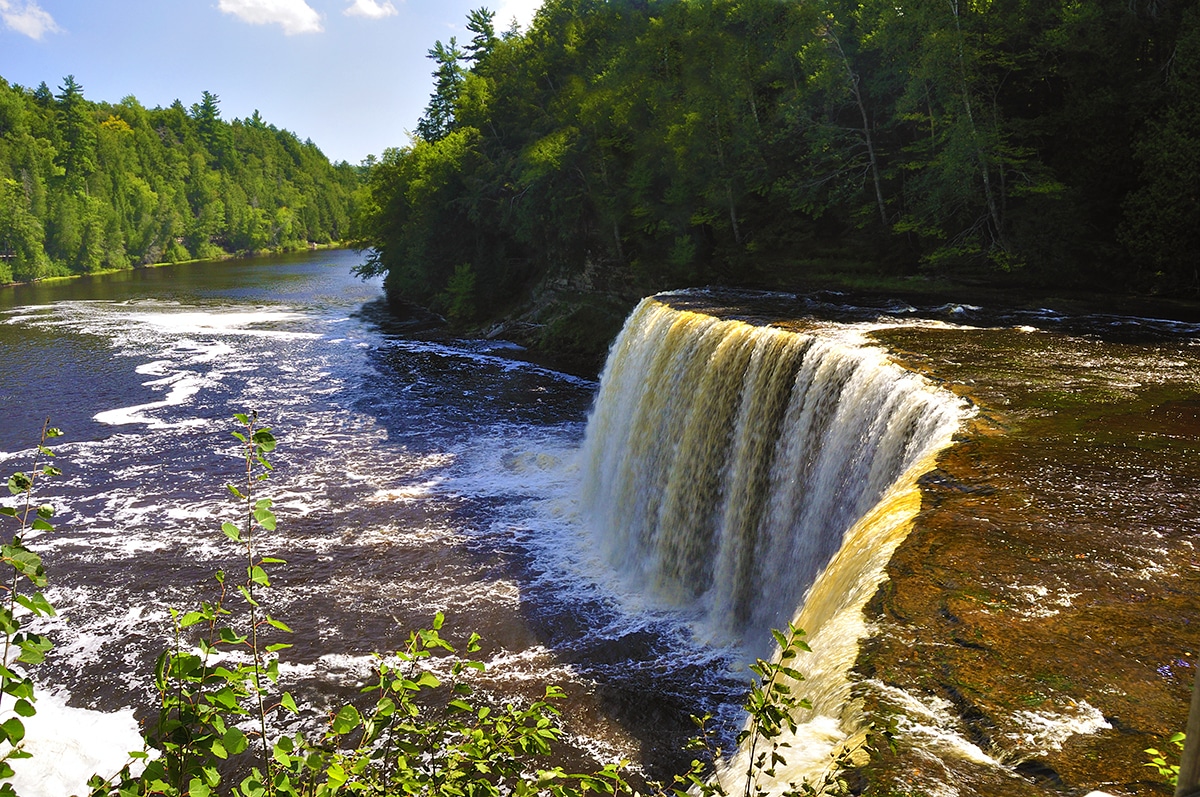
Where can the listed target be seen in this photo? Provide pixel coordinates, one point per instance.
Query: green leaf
(230, 636)
(231, 531)
(36, 603)
(264, 439)
(19, 483)
(54, 432)
(245, 593)
(41, 525)
(346, 720)
(24, 708)
(289, 703)
(45, 511)
(8, 510)
(265, 518)
(34, 649)
(257, 575)
(278, 624)
(235, 741)
(336, 775)
(13, 730)
(190, 619)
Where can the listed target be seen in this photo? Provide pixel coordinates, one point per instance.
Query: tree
(21, 235)
(214, 135)
(1162, 217)
(479, 22)
(78, 130)
(439, 116)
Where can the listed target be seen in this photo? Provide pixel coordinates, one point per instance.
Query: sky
(352, 75)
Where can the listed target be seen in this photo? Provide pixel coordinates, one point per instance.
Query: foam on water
(69, 745)
(412, 477)
(1048, 730)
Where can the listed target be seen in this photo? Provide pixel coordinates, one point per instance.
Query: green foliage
(23, 647)
(1161, 762)
(86, 186)
(1162, 218)
(460, 293)
(638, 146)
(772, 706)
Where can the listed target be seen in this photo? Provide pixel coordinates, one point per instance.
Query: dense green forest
(87, 186)
(656, 143)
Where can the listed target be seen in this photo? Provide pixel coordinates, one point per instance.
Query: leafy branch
(22, 646)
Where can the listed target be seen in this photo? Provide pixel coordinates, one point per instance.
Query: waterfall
(760, 476)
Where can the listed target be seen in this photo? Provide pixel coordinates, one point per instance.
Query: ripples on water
(413, 476)
(424, 475)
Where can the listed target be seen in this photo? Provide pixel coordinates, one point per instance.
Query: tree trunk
(989, 196)
(1188, 784)
(853, 79)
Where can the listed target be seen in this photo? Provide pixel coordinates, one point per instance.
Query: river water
(1036, 630)
(414, 474)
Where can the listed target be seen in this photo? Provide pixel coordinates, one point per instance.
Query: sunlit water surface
(414, 475)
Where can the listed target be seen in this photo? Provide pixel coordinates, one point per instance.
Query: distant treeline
(86, 186)
(669, 142)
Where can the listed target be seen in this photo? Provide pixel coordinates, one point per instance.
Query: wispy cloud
(28, 18)
(371, 9)
(294, 16)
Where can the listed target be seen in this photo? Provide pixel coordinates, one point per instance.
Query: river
(1018, 606)
(415, 474)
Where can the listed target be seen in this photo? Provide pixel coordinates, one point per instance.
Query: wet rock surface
(1047, 601)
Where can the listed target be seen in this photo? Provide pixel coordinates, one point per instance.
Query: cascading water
(760, 476)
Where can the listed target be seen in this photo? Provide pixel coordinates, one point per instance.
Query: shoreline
(312, 247)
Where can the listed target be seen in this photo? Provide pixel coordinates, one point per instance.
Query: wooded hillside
(86, 186)
(670, 142)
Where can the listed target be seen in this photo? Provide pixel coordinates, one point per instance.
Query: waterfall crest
(761, 476)
(724, 463)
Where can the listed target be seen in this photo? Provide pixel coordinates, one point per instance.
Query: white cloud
(520, 10)
(28, 18)
(371, 9)
(294, 16)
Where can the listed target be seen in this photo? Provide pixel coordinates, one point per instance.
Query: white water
(68, 745)
(761, 476)
(413, 476)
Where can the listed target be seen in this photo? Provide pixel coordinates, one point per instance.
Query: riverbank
(311, 247)
(572, 324)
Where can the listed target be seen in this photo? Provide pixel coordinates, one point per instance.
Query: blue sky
(349, 74)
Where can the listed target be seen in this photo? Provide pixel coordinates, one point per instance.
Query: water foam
(69, 745)
(761, 476)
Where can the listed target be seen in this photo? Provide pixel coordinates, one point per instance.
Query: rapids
(984, 520)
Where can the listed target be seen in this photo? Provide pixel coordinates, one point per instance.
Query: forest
(648, 144)
(89, 186)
